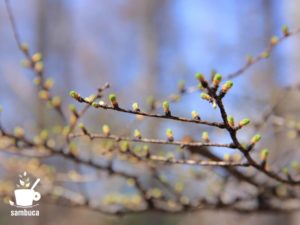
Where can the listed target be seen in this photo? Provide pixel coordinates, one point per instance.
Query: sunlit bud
(90, 98)
(166, 108)
(214, 104)
(137, 134)
(205, 136)
(65, 131)
(244, 122)
(24, 47)
(83, 128)
(74, 95)
(217, 80)
(285, 30)
(106, 129)
(37, 140)
(39, 67)
(113, 100)
(145, 150)
(249, 59)
(169, 134)
(72, 119)
(25, 63)
(44, 95)
(285, 170)
(102, 103)
(295, 165)
(94, 104)
(181, 86)
(228, 84)
(37, 81)
(49, 83)
(73, 149)
(200, 77)
(265, 54)
(124, 146)
(19, 132)
(135, 107)
(56, 101)
(155, 193)
(256, 138)
(44, 134)
(51, 143)
(274, 40)
(226, 157)
(72, 108)
(36, 57)
(179, 186)
(206, 96)
(264, 153)
(237, 157)
(230, 121)
(195, 115)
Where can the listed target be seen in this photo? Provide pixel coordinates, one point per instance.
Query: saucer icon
(25, 196)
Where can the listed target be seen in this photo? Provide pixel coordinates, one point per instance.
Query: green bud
(72, 108)
(205, 136)
(295, 165)
(230, 121)
(135, 107)
(256, 138)
(166, 107)
(264, 153)
(19, 132)
(265, 54)
(106, 129)
(24, 47)
(227, 157)
(206, 96)
(44, 134)
(81, 126)
(74, 94)
(39, 67)
(285, 30)
(285, 170)
(200, 77)
(244, 122)
(113, 99)
(169, 134)
(43, 94)
(90, 98)
(36, 57)
(195, 115)
(56, 101)
(249, 59)
(217, 80)
(124, 146)
(274, 40)
(49, 83)
(137, 134)
(228, 84)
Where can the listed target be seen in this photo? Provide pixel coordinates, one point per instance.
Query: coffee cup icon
(25, 197)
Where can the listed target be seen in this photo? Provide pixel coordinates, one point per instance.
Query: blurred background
(143, 48)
